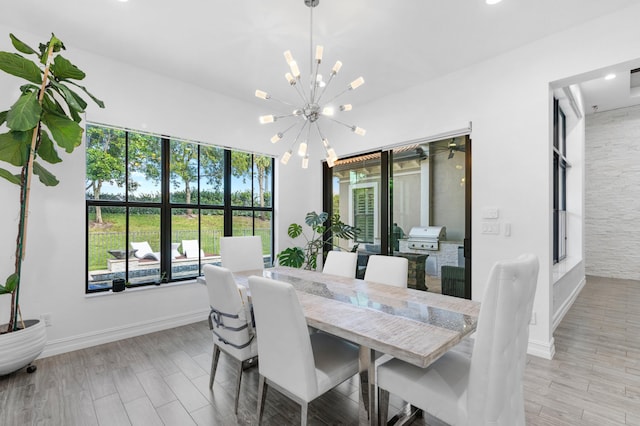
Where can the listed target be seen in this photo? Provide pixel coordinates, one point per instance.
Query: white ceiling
(234, 47)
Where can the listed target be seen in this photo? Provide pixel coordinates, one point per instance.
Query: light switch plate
(491, 228)
(490, 213)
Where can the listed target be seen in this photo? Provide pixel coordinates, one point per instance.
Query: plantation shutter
(363, 212)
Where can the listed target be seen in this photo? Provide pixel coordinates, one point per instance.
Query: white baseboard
(562, 311)
(544, 350)
(81, 341)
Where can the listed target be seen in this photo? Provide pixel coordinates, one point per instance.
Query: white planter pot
(19, 348)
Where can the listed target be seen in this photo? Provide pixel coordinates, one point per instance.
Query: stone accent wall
(612, 194)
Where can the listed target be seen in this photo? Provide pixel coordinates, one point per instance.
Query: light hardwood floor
(162, 378)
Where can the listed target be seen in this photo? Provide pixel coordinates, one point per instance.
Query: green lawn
(145, 227)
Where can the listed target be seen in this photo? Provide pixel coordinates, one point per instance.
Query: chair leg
(303, 413)
(214, 364)
(238, 386)
(262, 396)
(383, 406)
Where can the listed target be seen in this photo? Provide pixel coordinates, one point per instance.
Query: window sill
(563, 267)
(144, 288)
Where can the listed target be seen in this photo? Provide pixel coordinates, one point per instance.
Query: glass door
(386, 194)
(357, 192)
(428, 189)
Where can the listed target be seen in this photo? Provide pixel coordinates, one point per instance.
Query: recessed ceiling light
(493, 1)
(610, 76)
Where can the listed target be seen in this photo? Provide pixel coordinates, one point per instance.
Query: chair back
(389, 270)
(499, 355)
(230, 312)
(284, 346)
(241, 253)
(142, 248)
(191, 249)
(341, 263)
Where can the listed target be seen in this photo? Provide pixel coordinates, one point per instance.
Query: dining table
(412, 325)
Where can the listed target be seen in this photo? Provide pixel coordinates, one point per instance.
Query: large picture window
(157, 206)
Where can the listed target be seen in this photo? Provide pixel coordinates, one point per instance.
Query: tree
(263, 168)
(242, 168)
(105, 160)
(145, 156)
(212, 166)
(184, 167)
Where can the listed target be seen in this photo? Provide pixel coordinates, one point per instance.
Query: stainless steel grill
(426, 237)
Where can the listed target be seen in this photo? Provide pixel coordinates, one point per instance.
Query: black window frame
(166, 207)
(560, 166)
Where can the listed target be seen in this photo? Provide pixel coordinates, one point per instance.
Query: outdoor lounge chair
(190, 248)
(143, 251)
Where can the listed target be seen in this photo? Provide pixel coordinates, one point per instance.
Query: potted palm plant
(46, 115)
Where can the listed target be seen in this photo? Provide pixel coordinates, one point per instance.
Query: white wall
(54, 270)
(508, 100)
(613, 193)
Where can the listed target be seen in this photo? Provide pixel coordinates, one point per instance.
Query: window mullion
(165, 208)
(228, 219)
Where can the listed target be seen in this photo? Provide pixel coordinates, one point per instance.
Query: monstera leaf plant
(307, 256)
(45, 117)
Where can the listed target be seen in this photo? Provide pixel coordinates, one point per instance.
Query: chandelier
(312, 107)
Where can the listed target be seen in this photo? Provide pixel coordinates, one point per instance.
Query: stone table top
(415, 326)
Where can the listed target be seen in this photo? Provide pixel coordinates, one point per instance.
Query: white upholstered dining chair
(485, 389)
(299, 365)
(241, 253)
(389, 270)
(230, 321)
(341, 263)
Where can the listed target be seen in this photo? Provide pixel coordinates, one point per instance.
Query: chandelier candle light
(313, 108)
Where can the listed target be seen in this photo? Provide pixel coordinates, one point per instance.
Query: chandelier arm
(289, 128)
(289, 104)
(325, 87)
(349, 126)
(278, 117)
(299, 133)
(322, 138)
(319, 131)
(302, 96)
(314, 83)
(338, 95)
